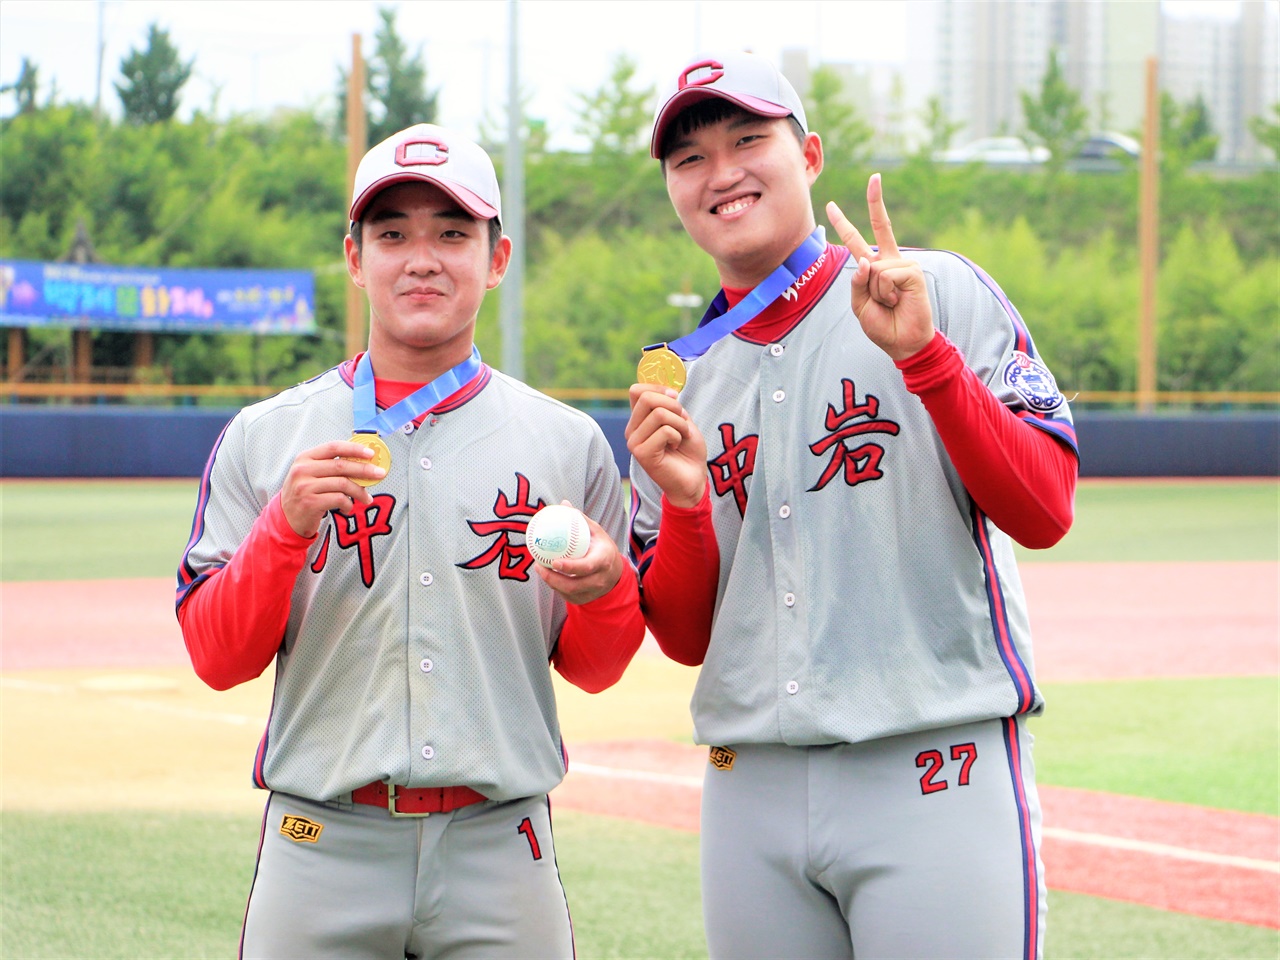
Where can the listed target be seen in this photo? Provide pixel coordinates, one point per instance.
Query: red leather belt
(415, 801)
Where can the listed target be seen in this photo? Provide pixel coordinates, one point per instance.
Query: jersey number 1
(527, 829)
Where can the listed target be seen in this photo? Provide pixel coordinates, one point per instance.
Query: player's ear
(812, 148)
(353, 260)
(499, 262)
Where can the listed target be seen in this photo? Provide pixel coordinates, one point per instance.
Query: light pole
(686, 301)
(511, 294)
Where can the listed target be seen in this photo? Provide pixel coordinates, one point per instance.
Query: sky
(258, 55)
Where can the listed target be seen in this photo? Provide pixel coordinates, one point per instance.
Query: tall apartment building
(990, 51)
(1232, 65)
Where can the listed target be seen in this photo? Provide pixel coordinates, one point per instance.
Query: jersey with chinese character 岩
(862, 591)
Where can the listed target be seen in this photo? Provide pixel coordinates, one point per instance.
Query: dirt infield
(1140, 620)
(101, 685)
(1116, 621)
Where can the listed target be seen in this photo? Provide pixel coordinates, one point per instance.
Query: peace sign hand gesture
(890, 297)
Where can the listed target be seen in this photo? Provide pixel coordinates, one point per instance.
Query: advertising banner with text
(155, 299)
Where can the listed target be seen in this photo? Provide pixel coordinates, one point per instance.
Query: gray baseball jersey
(862, 593)
(418, 638)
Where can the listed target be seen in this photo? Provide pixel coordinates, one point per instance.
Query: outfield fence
(127, 440)
(17, 391)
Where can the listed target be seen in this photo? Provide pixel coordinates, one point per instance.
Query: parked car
(995, 150)
(1109, 146)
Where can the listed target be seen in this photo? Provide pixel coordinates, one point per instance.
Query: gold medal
(661, 365)
(381, 456)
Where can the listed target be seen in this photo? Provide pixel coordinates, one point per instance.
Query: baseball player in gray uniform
(364, 531)
(824, 496)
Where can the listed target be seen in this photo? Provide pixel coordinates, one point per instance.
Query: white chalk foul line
(617, 773)
(35, 686)
(1056, 833)
(1162, 850)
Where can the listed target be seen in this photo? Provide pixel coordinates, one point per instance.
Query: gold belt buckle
(391, 804)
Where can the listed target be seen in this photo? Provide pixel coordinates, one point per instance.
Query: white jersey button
(425, 462)
(426, 665)
(408, 427)
(428, 752)
(426, 579)
(784, 511)
(779, 396)
(792, 686)
(789, 599)
(775, 349)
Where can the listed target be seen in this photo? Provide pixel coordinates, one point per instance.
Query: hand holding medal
(381, 456)
(330, 477)
(660, 435)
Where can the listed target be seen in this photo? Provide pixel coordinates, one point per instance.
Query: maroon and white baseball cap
(436, 155)
(748, 80)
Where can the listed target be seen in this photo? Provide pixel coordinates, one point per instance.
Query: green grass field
(1121, 521)
(134, 886)
(78, 530)
(109, 884)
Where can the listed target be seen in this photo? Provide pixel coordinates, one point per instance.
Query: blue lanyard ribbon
(717, 322)
(364, 403)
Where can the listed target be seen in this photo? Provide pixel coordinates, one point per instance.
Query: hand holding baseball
(667, 443)
(890, 296)
(319, 482)
(584, 578)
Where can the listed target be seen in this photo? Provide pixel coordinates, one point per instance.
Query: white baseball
(557, 531)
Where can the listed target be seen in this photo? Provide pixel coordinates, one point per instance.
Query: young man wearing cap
(828, 475)
(365, 531)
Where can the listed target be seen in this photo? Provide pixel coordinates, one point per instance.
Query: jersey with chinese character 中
(418, 638)
(862, 593)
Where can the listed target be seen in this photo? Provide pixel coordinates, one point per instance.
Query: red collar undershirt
(781, 316)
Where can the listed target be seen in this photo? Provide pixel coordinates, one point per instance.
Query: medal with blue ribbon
(663, 363)
(370, 422)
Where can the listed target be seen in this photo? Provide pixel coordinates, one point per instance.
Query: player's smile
(730, 207)
(741, 188)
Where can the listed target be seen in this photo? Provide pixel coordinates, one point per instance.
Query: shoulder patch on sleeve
(1033, 382)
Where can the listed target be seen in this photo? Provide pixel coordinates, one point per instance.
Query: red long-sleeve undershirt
(1021, 477)
(234, 621)
(679, 591)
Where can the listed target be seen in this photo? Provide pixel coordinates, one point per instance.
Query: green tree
(892, 140)
(493, 130)
(1055, 118)
(614, 117)
(845, 136)
(612, 188)
(1267, 132)
(395, 84)
(594, 302)
(1212, 309)
(1186, 132)
(939, 127)
(49, 156)
(152, 79)
(24, 88)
